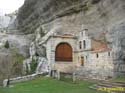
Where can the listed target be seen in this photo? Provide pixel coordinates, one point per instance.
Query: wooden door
(63, 52)
(82, 61)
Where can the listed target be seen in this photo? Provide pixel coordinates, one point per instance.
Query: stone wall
(19, 79)
(94, 68)
(103, 57)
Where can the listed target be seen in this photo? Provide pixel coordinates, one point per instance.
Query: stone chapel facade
(88, 57)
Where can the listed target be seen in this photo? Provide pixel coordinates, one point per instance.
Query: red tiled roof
(101, 49)
(64, 36)
(99, 46)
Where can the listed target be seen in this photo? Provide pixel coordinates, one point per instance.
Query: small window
(82, 34)
(97, 55)
(86, 57)
(84, 44)
(80, 45)
(109, 54)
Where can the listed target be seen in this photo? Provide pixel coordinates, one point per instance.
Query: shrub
(33, 66)
(17, 63)
(7, 44)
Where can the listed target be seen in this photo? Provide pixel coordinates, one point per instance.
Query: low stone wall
(18, 79)
(94, 73)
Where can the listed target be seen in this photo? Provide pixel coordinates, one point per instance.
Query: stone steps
(110, 84)
(95, 87)
(106, 84)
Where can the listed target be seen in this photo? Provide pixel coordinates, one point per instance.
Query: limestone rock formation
(4, 21)
(8, 21)
(100, 16)
(43, 66)
(14, 47)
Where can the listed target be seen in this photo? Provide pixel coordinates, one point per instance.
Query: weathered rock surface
(100, 16)
(118, 44)
(5, 56)
(43, 66)
(18, 47)
(4, 21)
(20, 43)
(8, 21)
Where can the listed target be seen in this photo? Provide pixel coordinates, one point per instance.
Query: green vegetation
(49, 85)
(16, 63)
(18, 58)
(7, 44)
(33, 66)
(10, 65)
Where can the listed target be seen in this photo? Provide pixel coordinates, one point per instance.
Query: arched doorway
(63, 52)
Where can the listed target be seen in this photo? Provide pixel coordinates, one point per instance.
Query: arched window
(84, 44)
(109, 54)
(63, 52)
(80, 44)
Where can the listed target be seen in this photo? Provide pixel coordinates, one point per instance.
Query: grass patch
(49, 85)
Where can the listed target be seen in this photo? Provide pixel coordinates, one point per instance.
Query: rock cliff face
(60, 16)
(9, 32)
(13, 52)
(4, 21)
(7, 21)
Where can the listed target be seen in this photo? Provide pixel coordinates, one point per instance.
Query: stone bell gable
(84, 40)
